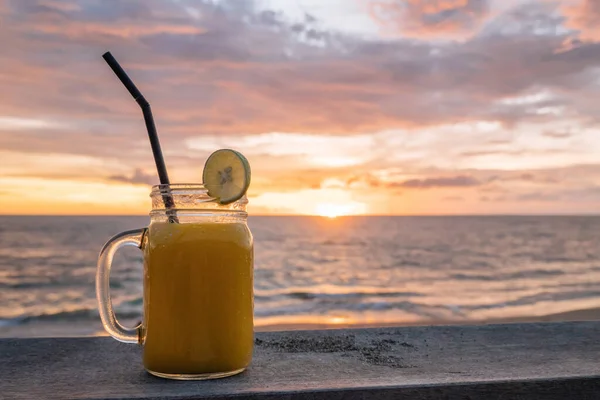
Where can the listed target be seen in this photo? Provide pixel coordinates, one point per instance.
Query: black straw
(148, 119)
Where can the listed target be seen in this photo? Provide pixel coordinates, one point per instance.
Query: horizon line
(339, 216)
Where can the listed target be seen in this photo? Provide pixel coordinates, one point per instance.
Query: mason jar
(198, 285)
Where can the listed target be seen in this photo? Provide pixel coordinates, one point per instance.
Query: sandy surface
(95, 329)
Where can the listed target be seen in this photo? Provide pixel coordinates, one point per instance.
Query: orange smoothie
(198, 297)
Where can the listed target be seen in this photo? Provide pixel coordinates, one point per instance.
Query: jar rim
(179, 186)
(178, 189)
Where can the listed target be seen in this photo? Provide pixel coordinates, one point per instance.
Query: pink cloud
(426, 18)
(584, 17)
(124, 29)
(138, 177)
(459, 181)
(235, 72)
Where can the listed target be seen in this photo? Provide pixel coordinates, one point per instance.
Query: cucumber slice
(226, 175)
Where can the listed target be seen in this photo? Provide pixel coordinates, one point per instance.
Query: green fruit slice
(226, 175)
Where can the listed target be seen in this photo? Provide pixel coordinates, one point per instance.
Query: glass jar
(198, 285)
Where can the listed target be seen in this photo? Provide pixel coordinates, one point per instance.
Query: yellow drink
(198, 301)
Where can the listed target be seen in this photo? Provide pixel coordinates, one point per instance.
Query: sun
(334, 210)
(328, 210)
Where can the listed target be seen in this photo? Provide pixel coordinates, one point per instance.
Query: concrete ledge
(524, 361)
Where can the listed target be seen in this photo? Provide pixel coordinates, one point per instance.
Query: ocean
(313, 270)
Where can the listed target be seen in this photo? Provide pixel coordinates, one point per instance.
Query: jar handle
(107, 315)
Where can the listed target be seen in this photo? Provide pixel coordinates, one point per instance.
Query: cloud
(430, 17)
(316, 150)
(558, 134)
(478, 153)
(138, 177)
(15, 124)
(493, 199)
(583, 16)
(233, 71)
(366, 180)
(574, 185)
(576, 195)
(440, 182)
(453, 198)
(538, 196)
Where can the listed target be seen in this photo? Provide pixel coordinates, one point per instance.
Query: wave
(534, 273)
(542, 297)
(329, 242)
(405, 307)
(64, 316)
(353, 295)
(331, 292)
(117, 284)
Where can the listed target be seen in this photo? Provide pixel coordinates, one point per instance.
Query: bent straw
(149, 120)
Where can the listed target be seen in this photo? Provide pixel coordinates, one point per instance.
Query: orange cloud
(130, 21)
(460, 181)
(124, 29)
(424, 18)
(584, 17)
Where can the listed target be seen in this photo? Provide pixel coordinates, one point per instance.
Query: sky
(383, 107)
